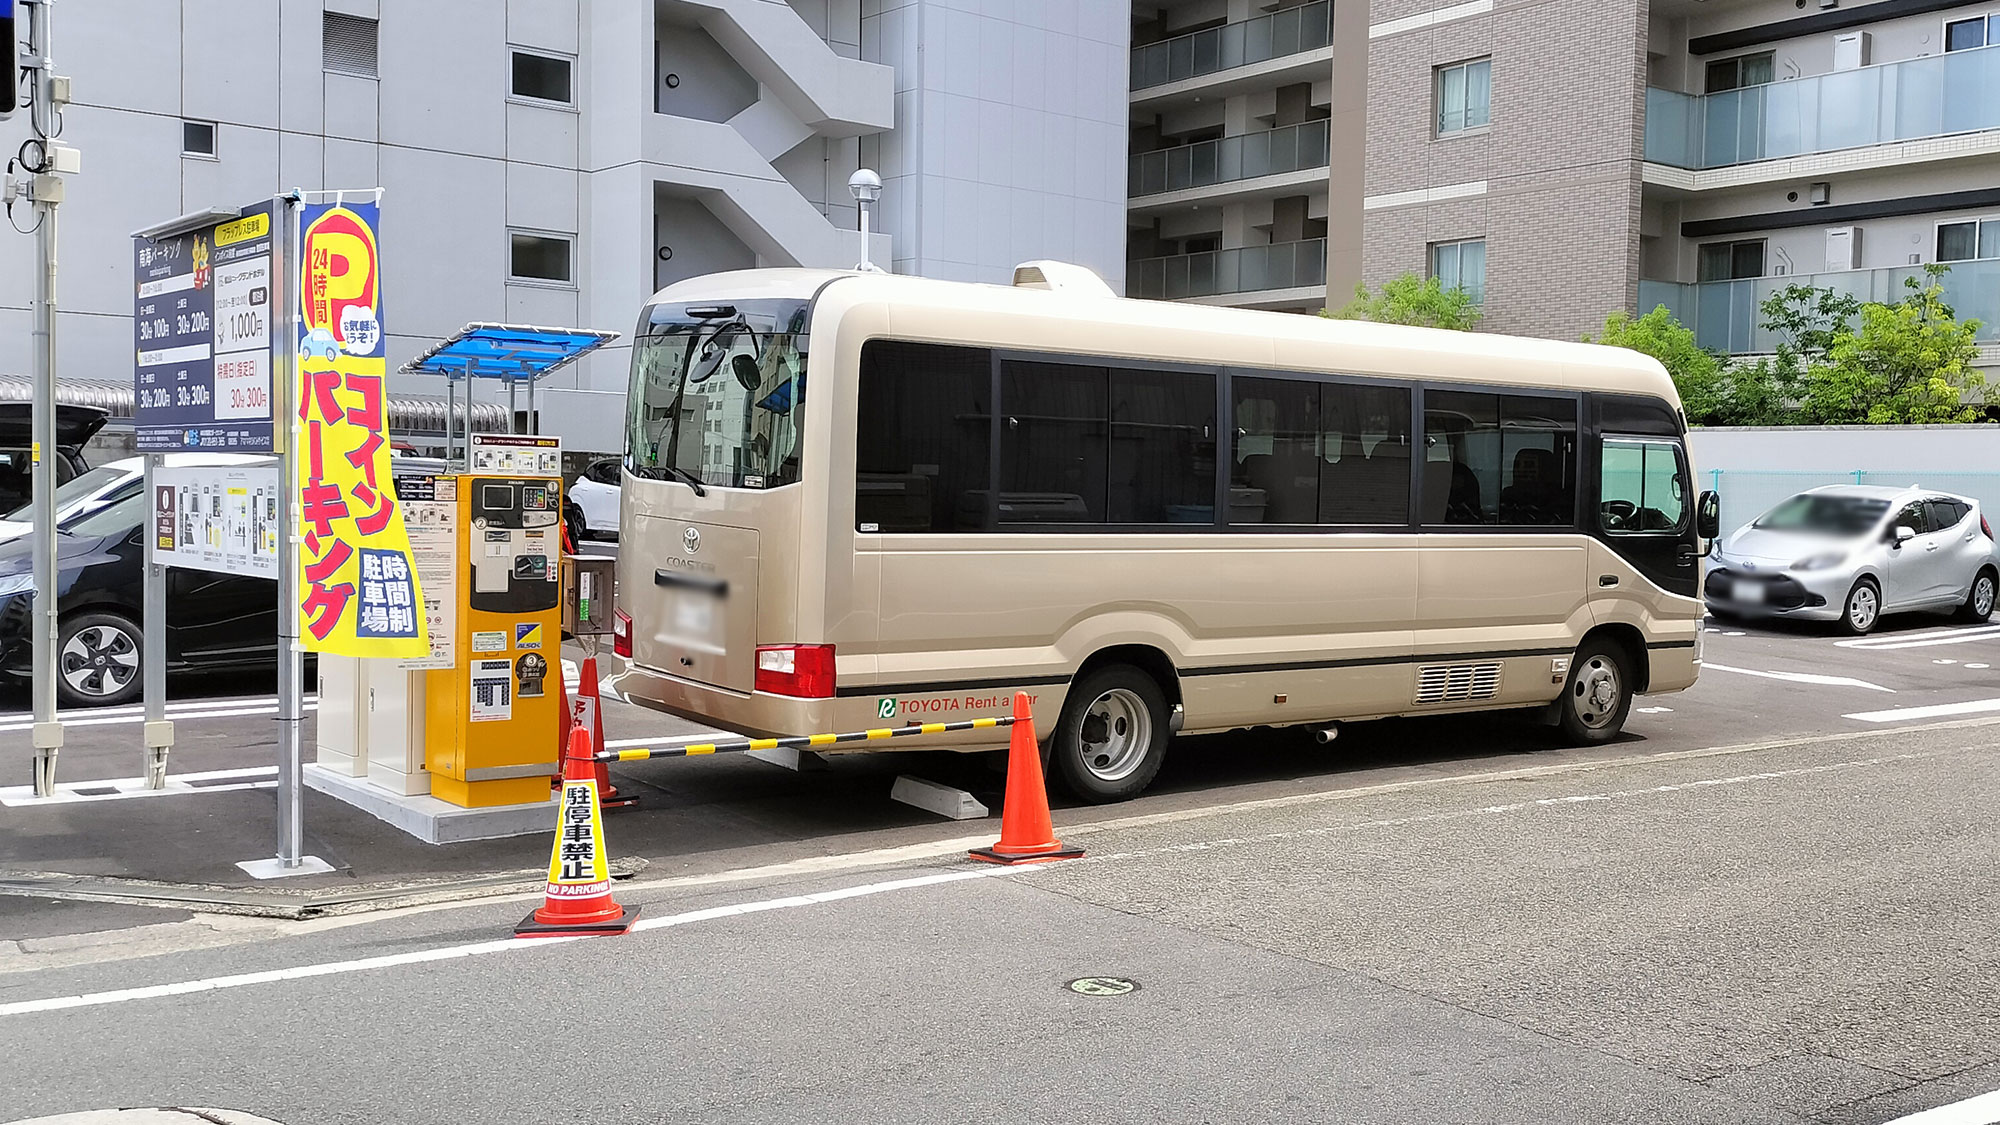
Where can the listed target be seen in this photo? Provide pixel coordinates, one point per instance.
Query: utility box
(587, 589)
(493, 720)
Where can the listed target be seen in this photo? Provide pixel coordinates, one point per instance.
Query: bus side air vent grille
(1455, 683)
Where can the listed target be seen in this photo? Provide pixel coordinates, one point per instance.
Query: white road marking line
(177, 716)
(1979, 666)
(1944, 662)
(122, 788)
(1799, 677)
(1655, 710)
(1981, 1110)
(1937, 711)
(477, 949)
(173, 707)
(1896, 641)
(1736, 633)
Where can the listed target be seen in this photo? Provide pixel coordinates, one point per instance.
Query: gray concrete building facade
(554, 161)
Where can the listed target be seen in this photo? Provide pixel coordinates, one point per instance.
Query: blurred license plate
(694, 615)
(1747, 591)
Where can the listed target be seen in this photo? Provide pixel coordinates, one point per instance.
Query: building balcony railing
(1723, 315)
(1291, 148)
(1292, 31)
(1247, 269)
(1956, 92)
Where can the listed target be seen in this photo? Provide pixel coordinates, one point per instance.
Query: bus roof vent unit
(1063, 277)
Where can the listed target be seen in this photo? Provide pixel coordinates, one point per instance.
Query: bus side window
(1640, 488)
(1500, 459)
(922, 438)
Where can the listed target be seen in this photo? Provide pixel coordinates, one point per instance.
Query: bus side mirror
(1708, 516)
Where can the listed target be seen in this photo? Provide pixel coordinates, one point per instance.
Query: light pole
(866, 187)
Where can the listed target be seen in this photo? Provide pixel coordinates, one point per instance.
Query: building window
(1971, 34)
(1461, 265)
(348, 44)
(197, 138)
(538, 257)
(1968, 240)
(541, 77)
(1731, 261)
(1759, 69)
(1464, 96)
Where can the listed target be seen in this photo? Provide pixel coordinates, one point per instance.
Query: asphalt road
(1769, 902)
(1798, 932)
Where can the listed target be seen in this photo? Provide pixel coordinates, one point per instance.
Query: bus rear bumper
(762, 715)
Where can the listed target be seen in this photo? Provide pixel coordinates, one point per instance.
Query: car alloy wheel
(100, 661)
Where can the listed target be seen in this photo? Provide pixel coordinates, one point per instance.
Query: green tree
(1905, 363)
(1697, 372)
(1411, 300)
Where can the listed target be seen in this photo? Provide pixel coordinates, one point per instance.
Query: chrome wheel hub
(1114, 734)
(1596, 693)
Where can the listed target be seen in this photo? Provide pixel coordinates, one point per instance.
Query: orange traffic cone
(579, 894)
(1026, 833)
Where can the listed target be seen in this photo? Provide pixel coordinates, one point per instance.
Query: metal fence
(1749, 493)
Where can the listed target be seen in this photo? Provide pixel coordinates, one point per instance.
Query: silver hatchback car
(1853, 553)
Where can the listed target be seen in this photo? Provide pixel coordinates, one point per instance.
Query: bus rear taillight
(800, 671)
(621, 633)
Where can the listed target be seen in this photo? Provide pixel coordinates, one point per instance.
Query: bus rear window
(718, 394)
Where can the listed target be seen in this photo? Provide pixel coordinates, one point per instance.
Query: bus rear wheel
(1597, 696)
(1112, 736)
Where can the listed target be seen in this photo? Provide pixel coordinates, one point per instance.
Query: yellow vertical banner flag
(358, 589)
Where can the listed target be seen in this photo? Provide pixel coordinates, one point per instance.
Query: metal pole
(534, 427)
(513, 403)
(291, 667)
(47, 190)
(450, 416)
(153, 666)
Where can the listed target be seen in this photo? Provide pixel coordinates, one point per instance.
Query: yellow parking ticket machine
(493, 719)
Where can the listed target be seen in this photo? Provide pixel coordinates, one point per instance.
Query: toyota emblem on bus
(691, 539)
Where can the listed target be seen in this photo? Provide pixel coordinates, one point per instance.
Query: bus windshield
(718, 394)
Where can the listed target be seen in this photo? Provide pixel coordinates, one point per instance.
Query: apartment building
(1562, 159)
(554, 161)
(1244, 178)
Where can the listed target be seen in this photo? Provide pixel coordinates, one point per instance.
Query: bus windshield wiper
(671, 472)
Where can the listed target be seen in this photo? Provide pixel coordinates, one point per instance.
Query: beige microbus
(857, 500)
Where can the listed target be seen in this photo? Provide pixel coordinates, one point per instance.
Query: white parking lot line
(123, 788)
(1935, 711)
(1982, 1110)
(1895, 641)
(1798, 677)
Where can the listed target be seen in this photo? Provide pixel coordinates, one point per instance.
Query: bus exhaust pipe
(1326, 735)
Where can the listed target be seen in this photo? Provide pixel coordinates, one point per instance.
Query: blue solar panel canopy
(508, 351)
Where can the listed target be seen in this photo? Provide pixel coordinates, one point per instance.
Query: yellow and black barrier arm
(801, 742)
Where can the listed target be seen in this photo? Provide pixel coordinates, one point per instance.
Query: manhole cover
(1102, 986)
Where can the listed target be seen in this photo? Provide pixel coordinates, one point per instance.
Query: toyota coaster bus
(853, 500)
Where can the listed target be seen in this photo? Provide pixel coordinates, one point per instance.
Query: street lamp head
(865, 186)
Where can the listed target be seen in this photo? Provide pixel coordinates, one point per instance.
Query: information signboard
(221, 518)
(430, 514)
(202, 327)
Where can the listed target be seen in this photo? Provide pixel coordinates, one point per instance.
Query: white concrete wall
(1843, 449)
(1011, 134)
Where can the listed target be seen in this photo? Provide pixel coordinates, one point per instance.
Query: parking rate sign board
(202, 327)
(359, 589)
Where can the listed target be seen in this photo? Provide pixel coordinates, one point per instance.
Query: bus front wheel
(1112, 736)
(1597, 697)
